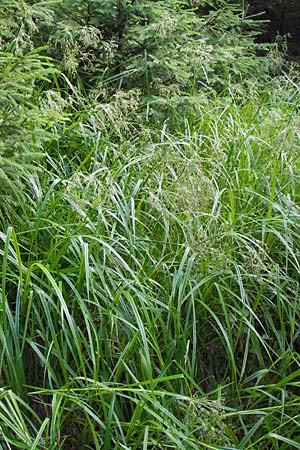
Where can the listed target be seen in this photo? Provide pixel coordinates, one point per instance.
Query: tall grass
(150, 279)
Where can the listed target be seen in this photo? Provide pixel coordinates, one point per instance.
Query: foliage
(143, 42)
(150, 233)
(25, 122)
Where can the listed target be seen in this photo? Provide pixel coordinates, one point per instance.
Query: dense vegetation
(150, 228)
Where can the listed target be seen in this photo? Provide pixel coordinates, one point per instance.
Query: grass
(150, 278)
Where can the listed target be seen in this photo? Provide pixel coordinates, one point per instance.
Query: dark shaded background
(284, 16)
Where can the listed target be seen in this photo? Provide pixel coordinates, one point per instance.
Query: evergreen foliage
(142, 41)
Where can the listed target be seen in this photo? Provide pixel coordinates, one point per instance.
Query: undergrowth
(150, 245)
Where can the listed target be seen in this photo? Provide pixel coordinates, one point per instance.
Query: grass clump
(150, 290)
(150, 245)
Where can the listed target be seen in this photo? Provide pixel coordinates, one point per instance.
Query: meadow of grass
(150, 272)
